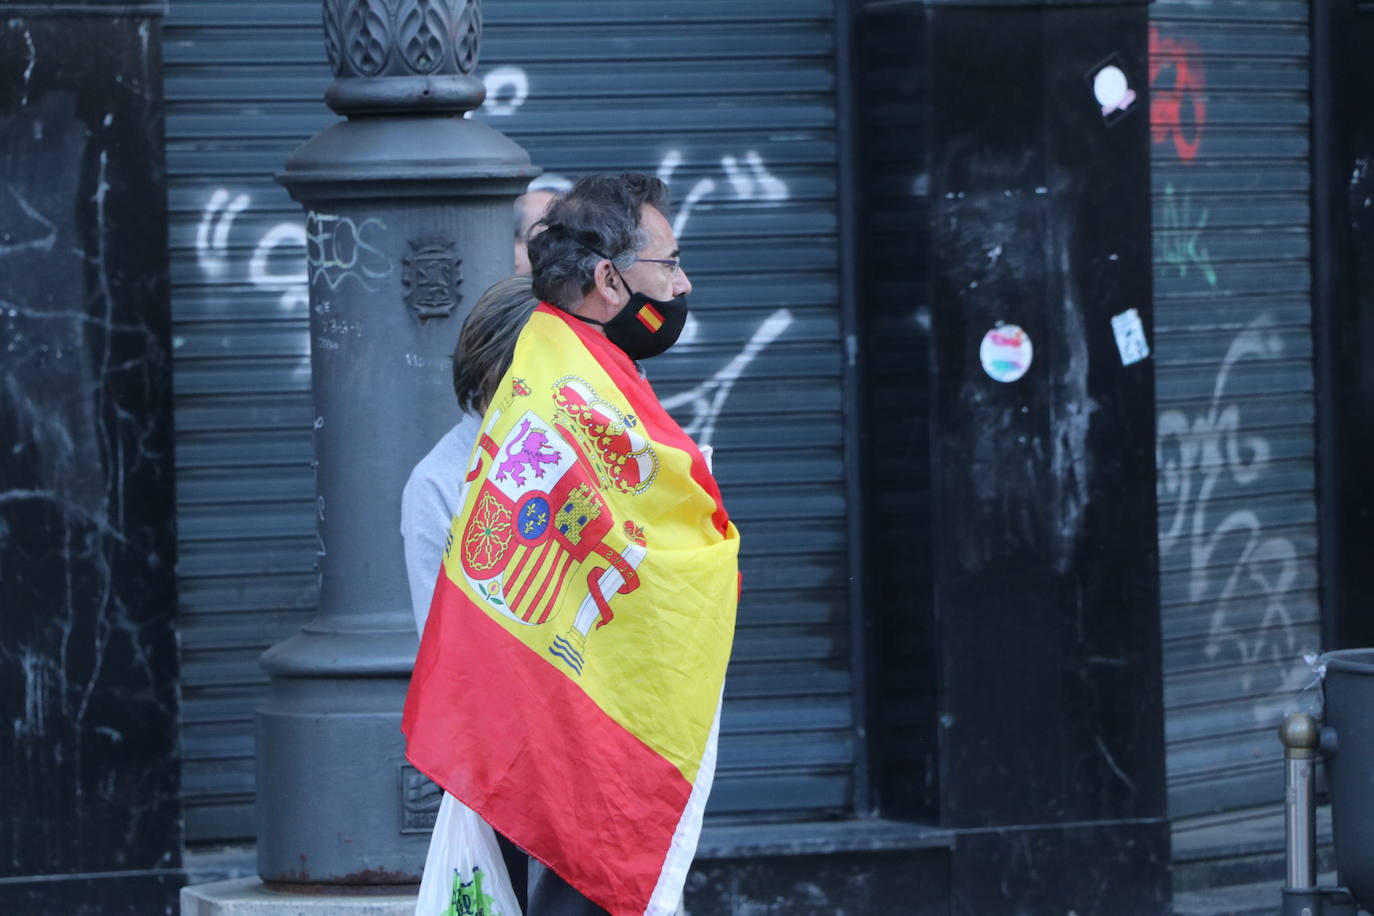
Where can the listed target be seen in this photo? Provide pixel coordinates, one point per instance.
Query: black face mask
(644, 327)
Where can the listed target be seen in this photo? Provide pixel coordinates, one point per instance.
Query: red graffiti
(1186, 94)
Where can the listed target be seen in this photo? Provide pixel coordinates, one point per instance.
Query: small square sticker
(1130, 337)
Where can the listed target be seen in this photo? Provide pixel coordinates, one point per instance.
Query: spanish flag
(569, 678)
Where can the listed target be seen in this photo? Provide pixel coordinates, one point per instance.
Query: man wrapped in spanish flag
(569, 678)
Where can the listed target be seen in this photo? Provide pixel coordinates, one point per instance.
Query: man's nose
(681, 285)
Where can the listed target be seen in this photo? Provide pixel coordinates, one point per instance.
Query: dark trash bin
(1349, 749)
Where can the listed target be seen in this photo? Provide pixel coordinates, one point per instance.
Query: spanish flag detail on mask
(650, 318)
(569, 679)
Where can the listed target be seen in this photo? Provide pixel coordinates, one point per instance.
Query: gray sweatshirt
(431, 496)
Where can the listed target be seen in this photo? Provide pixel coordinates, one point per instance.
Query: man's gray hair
(597, 218)
(487, 341)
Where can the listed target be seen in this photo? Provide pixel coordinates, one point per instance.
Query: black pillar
(1043, 475)
(1343, 294)
(89, 762)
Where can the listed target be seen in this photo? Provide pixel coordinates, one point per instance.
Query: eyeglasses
(674, 264)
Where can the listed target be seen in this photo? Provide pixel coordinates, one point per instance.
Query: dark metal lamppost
(408, 218)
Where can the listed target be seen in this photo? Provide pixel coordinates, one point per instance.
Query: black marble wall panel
(89, 770)
(1045, 559)
(896, 883)
(1343, 293)
(895, 343)
(1108, 869)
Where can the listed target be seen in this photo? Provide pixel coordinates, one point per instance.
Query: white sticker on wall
(1005, 353)
(1130, 337)
(1112, 91)
(1111, 88)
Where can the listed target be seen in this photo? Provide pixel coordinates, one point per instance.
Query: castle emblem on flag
(578, 513)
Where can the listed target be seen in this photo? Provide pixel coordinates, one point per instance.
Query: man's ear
(607, 284)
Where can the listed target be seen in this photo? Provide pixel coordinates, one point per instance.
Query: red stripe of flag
(563, 780)
(538, 563)
(650, 318)
(557, 578)
(525, 552)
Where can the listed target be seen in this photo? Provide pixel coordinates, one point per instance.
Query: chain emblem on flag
(489, 535)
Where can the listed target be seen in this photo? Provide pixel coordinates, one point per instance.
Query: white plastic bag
(464, 872)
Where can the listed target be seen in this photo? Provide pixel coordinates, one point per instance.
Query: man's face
(657, 281)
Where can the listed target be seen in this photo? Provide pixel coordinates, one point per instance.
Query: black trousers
(539, 890)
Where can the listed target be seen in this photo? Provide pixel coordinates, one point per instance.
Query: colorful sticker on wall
(1111, 88)
(1130, 337)
(1006, 353)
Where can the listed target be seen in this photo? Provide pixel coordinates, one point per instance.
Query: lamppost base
(249, 897)
(337, 802)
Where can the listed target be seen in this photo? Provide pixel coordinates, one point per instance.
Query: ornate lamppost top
(394, 56)
(403, 72)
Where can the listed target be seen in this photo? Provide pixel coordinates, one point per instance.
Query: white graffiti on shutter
(1195, 454)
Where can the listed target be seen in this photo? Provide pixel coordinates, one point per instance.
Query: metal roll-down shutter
(734, 105)
(1237, 512)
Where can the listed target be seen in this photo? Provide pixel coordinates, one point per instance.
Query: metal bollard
(1301, 737)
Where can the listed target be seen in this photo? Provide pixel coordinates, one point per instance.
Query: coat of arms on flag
(569, 679)
(539, 514)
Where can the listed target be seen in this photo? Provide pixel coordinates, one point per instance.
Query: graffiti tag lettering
(751, 182)
(276, 264)
(212, 236)
(337, 248)
(1196, 454)
(706, 400)
(1182, 227)
(1178, 100)
(289, 282)
(507, 89)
